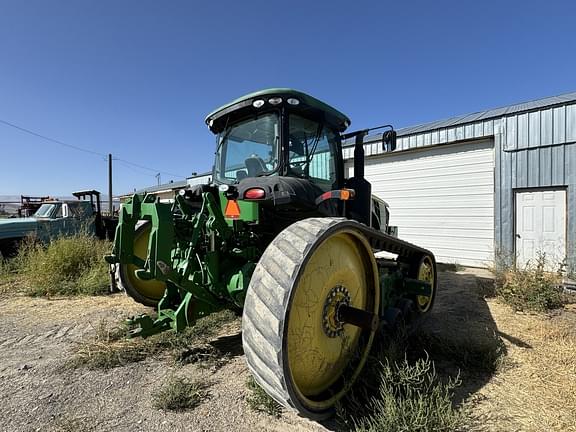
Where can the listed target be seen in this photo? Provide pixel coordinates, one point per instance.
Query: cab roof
(216, 120)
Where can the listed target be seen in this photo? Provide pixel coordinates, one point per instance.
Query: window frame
(335, 149)
(221, 155)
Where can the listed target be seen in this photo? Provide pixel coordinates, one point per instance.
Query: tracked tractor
(283, 236)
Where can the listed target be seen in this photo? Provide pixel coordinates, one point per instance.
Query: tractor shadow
(215, 353)
(459, 336)
(230, 345)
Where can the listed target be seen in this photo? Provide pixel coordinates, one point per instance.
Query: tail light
(255, 194)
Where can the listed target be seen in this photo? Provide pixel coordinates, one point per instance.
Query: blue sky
(136, 78)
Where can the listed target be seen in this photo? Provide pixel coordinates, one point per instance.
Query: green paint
(196, 255)
(249, 210)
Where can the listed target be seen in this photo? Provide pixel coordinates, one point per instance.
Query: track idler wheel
(310, 314)
(146, 292)
(426, 271)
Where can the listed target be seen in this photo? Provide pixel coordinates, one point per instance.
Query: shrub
(400, 390)
(66, 266)
(411, 397)
(532, 287)
(179, 394)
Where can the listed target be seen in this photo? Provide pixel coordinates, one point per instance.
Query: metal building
(500, 182)
(165, 192)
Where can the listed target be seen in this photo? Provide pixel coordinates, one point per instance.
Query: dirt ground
(533, 390)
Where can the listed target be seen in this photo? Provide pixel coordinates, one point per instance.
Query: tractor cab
(279, 133)
(288, 146)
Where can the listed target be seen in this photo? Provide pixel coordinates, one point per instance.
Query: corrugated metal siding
(535, 146)
(481, 116)
(477, 130)
(201, 179)
(535, 150)
(546, 123)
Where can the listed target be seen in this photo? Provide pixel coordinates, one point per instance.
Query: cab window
(312, 149)
(79, 209)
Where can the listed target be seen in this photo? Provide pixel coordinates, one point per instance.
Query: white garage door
(442, 199)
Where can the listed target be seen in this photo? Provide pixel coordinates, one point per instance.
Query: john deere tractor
(282, 235)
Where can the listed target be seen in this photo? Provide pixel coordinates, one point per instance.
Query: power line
(131, 168)
(36, 134)
(51, 139)
(149, 169)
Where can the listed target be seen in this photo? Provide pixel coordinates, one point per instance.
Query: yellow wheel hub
(152, 289)
(426, 273)
(321, 349)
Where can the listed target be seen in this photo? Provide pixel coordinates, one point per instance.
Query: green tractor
(283, 236)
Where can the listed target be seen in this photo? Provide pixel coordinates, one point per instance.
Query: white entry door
(541, 225)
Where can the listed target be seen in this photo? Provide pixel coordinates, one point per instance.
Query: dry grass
(537, 391)
(401, 389)
(531, 287)
(259, 400)
(73, 424)
(179, 394)
(110, 348)
(66, 266)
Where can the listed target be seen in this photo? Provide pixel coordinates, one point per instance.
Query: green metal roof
(304, 98)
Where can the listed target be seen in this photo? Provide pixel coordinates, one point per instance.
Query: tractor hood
(17, 227)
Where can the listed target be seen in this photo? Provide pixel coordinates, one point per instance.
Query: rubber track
(269, 293)
(267, 301)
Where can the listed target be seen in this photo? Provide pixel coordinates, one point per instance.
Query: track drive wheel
(148, 292)
(297, 347)
(426, 271)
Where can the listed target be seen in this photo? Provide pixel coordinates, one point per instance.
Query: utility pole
(158, 178)
(110, 204)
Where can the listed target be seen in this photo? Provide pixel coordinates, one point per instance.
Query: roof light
(258, 103)
(223, 187)
(254, 194)
(275, 100)
(293, 101)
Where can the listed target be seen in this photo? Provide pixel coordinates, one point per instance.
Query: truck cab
(57, 218)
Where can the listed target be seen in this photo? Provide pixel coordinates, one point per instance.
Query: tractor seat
(241, 174)
(255, 166)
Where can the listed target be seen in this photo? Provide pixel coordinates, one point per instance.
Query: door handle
(517, 235)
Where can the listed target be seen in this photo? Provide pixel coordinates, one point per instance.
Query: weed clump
(66, 266)
(179, 394)
(532, 287)
(259, 400)
(400, 390)
(411, 397)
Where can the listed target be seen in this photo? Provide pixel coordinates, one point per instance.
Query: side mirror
(389, 141)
